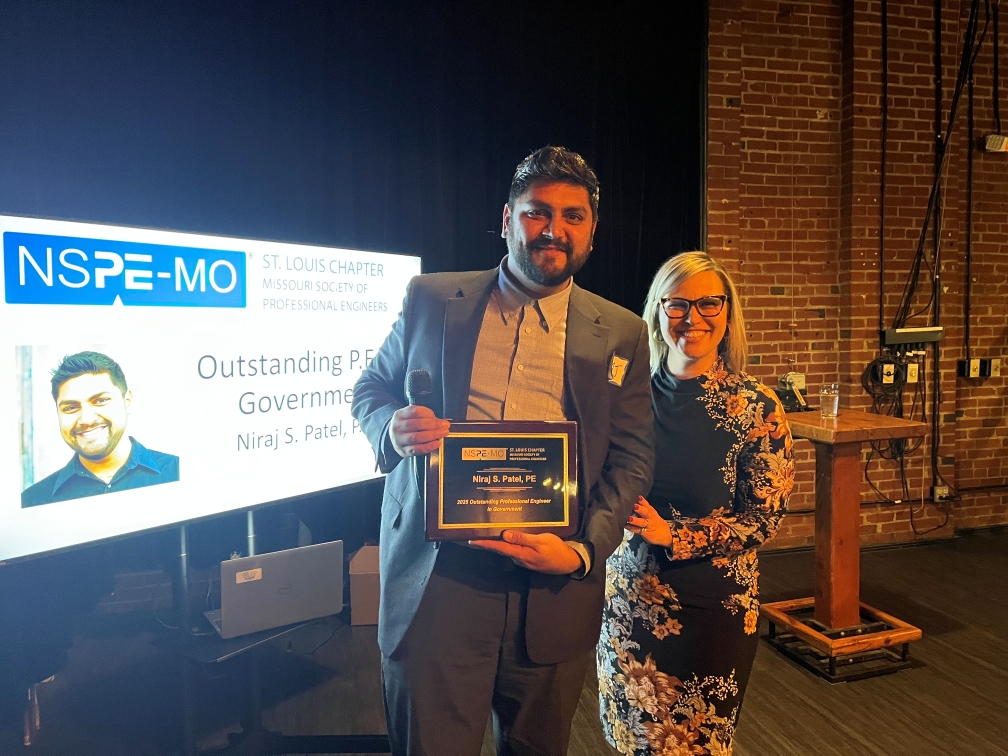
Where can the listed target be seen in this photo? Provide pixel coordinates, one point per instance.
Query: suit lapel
(585, 366)
(463, 320)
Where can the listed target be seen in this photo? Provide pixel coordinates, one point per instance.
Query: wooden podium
(834, 634)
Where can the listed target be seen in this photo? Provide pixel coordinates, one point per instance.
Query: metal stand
(188, 727)
(870, 652)
(250, 527)
(180, 591)
(180, 584)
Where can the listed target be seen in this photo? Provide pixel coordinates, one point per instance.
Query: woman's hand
(649, 524)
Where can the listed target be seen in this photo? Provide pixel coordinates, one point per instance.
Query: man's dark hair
(555, 164)
(93, 363)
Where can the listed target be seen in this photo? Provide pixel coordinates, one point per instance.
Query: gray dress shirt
(518, 367)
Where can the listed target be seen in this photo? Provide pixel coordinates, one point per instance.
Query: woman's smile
(692, 333)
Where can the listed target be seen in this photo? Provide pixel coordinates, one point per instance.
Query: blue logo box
(65, 270)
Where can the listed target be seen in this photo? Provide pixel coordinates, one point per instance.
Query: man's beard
(96, 450)
(522, 254)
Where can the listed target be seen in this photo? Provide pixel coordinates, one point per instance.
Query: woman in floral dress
(679, 632)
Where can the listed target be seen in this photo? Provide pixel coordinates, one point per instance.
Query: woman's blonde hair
(673, 272)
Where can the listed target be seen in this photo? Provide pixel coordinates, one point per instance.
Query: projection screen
(154, 377)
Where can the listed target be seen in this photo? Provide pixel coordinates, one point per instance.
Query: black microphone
(420, 392)
(419, 388)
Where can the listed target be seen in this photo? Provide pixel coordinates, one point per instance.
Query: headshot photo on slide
(93, 404)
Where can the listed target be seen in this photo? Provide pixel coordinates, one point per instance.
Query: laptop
(279, 588)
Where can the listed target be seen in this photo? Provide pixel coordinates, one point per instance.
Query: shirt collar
(511, 298)
(139, 456)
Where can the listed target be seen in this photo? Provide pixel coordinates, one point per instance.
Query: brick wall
(794, 146)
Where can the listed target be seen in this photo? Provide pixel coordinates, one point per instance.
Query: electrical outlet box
(996, 143)
(912, 372)
(996, 366)
(888, 373)
(968, 368)
(939, 493)
(985, 368)
(792, 380)
(917, 335)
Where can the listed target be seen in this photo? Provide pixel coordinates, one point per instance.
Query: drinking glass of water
(829, 399)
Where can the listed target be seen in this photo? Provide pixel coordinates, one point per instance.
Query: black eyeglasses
(677, 308)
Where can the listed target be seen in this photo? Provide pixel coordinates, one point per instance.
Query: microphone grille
(418, 382)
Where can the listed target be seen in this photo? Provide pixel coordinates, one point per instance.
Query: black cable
(331, 636)
(887, 399)
(935, 417)
(882, 178)
(969, 216)
(160, 621)
(871, 454)
(932, 217)
(970, 50)
(906, 484)
(939, 526)
(997, 81)
(948, 504)
(941, 147)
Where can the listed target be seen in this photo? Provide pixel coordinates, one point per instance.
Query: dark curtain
(386, 126)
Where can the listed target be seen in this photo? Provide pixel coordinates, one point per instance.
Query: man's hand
(415, 430)
(542, 552)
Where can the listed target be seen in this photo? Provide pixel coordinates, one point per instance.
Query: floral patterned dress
(679, 631)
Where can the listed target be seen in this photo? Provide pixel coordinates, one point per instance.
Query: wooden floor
(956, 702)
(121, 695)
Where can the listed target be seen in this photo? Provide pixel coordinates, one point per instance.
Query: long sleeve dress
(679, 630)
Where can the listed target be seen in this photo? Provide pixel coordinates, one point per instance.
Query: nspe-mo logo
(42, 269)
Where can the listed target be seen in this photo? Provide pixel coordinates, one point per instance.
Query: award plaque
(488, 477)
